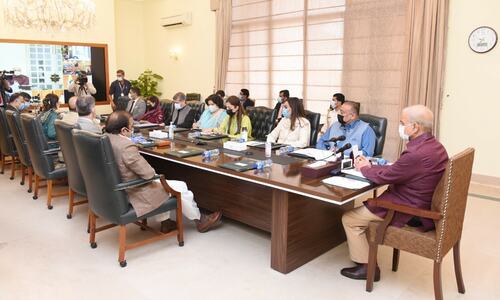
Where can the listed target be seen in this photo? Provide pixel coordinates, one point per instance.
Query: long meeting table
(303, 215)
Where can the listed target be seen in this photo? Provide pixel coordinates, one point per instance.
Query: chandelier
(51, 15)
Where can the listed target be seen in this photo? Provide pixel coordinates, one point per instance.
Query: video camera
(82, 78)
(6, 75)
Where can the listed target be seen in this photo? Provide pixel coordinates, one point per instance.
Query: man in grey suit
(85, 106)
(136, 106)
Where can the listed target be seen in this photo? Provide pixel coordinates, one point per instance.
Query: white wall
(471, 106)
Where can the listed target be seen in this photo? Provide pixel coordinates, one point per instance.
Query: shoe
(359, 272)
(209, 222)
(168, 226)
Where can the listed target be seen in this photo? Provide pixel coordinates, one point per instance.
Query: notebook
(262, 145)
(144, 125)
(212, 136)
(188, 152)
(177, 129)
(239, 166)
(347, 183)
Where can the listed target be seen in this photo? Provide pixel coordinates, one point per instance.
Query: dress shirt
(365, 139)
(299, 137)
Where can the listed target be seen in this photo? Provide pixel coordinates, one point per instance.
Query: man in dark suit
(245, 100)
(119, 88)
(284, 95)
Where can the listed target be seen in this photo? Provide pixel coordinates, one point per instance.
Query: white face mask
(177, 106)
(402, 133)
(119, 78)
(333, 104)
(213, 108)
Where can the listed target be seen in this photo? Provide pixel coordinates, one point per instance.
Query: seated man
(356, 131)
(85, 105)
(16, 103)
(182, 115)
(136, 106)
(412, 179)
(277, 114)
(245, 99)
(71, 116)
(147, 198)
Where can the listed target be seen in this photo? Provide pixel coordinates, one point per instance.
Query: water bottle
(285, 150)
(268, 149)
(207, 154)
(263, 164)
(244, 135)
(171, 131)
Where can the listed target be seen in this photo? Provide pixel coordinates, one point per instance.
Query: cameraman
(4, 89)
(81, 85)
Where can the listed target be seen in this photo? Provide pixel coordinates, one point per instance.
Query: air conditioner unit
(176, 20)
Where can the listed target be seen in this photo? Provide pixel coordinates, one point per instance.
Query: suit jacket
(139, 108)
(89, 125)
(132, 165)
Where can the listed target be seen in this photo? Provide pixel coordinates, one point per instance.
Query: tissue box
(158, 134)
(236, 146)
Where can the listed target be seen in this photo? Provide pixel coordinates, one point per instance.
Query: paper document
(317, 154)
(347, 183)
(353, 172)
(144, 125)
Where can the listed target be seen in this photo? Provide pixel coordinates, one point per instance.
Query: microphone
(343, 148)
(336, 139)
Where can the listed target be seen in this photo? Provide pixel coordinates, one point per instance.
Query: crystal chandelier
(51, 15)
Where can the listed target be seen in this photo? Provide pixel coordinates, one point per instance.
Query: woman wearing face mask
(333, 110)
(50, 115)
(236, 120)
(213, 115)
(153, 113)
(293, 129)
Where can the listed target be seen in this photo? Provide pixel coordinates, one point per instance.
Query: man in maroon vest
(411, 179)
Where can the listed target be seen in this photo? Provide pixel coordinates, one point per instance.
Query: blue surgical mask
(24, 106)
(285, 113)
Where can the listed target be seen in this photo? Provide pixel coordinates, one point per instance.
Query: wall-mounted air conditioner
(176, 20)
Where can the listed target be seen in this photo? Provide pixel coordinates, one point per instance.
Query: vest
(353, 134)
(182, 114)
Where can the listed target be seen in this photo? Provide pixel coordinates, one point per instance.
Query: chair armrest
(169, 189)
(422, 213)
(134, 183)
(51, 151)
(53, 142)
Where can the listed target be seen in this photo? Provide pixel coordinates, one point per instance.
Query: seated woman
(49, 116)
(293, 129)
(213, 115)
(235, 121)
(153, 114)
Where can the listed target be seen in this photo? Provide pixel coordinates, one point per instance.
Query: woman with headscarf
(153, 114)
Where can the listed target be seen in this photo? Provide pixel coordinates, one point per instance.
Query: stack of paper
(347, 183)
(316, 154)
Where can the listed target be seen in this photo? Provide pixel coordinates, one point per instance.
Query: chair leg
(3, 164)
(91, 226)
(23, 174)
(458, 268)
(372, 265)
(145, 223)
(438, 289)
(49, 193)
(395, 259)
(37, 186)
(180, 227)
(30, 179)
(122, 239)
(13, 168)
(71, 203)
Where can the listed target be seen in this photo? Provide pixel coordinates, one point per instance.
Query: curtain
(426, 46)
(223, 34)
(374, 54)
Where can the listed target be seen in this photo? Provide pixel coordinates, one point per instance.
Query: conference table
(303, 215)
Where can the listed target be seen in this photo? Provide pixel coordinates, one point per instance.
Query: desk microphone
(336, 139)
(343, 148)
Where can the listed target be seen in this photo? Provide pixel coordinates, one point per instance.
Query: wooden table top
(283, 177)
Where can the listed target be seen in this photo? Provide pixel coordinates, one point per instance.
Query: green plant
(147, 83)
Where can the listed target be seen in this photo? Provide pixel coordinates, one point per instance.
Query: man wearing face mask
(85, 106)
(412, 180)
(119, 88)
(277, 111)
(245, 98)
(136, 106)
(182, 115)
(333, 111)
(17, 103)
(356, 131)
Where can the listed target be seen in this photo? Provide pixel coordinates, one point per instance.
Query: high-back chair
(314, 119)
(447, 211)
(193, 97)
(198, 108)
(43, 159)
(7, 146)
(261, 118)
(76, 185)
(379, 126)
(107, 194)
(14, 121)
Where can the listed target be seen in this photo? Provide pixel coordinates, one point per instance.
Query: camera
(7, 75)
(82, 79)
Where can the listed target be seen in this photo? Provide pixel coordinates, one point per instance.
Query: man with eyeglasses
(356, 131)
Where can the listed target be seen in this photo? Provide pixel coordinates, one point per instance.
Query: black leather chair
(261, 118)
(193, 97)
(379, 125)
(121, 103)
(43, 159)
(314, 119)
(14, 121)
(107, 194)
(198, 107)
(7, 146)
(166, 108)
(75, 179)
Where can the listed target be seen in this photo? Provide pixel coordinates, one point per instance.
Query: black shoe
(359, 272)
